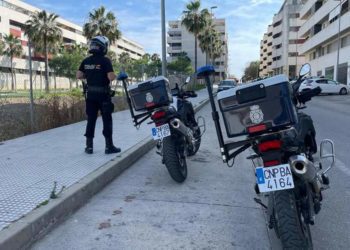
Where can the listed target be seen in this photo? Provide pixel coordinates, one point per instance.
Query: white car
(327, 86)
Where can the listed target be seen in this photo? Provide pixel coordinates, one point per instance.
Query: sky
(139, 20)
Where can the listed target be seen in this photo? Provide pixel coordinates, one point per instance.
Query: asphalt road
(214, 208)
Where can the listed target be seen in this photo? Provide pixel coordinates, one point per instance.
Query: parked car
(226, 84)
(327, 86)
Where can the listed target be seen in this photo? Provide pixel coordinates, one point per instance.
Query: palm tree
(103, 24)
(12, 48)
(2, 46)
(207, 39)
(195, 21)
(44, 33)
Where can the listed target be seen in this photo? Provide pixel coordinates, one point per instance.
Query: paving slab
(30, 165)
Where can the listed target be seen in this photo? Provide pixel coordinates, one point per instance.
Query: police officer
(97, 69)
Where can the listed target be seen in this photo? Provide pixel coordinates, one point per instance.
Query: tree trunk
(46, 66)
(54, 78)
(195, 52)
(12, 78)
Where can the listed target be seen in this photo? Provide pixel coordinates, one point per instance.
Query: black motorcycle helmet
(99, 45)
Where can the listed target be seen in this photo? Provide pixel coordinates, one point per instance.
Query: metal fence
(63, 105)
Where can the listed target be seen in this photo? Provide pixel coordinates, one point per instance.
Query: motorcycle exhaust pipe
(178, 125)
(305, 169)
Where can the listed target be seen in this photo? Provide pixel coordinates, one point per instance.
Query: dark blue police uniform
(96, 68)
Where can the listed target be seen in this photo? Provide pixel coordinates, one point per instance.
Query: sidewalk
(30, 165)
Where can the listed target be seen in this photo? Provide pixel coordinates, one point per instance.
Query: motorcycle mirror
(188, 79)
(304, 70)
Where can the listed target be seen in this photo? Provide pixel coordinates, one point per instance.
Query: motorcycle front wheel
(174, 161)
(293, 232)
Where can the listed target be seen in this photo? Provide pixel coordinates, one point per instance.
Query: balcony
(174, 49)
(277, 40)
(277, 29)
(318, 16)
(306, 7)
(277, 52)
(331, 31)
(174, 39)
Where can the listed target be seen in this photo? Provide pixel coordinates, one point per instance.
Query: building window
(342, 75)
(345, 41)
(329, 72)
(277, 35)
(294, 28)
(292, 71)
(320, 51)
(278, 46)
(294, 15)
(296, 41)
(344, 7)
(276, 24)
(293, 54)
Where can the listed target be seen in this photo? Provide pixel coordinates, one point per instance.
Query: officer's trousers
(92, 107)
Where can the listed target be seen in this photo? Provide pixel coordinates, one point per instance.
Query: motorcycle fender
(306, 130)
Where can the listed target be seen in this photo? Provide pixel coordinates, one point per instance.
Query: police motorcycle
(265, 116)
(177, 132)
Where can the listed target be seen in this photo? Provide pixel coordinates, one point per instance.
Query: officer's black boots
(110, 148)
(89, 146)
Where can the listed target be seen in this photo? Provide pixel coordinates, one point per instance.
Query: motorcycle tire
(174, 161)
(292, 231)
(197, 135)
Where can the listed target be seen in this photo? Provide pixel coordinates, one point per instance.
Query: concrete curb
(35, 225)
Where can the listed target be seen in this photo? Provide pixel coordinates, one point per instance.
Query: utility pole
(338, 49)
(163, 38)
(31, 87)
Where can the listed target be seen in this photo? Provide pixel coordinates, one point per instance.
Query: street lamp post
(163, 38)
(212, 42)
(338, 49)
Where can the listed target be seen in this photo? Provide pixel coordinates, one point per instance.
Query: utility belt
(99, 89)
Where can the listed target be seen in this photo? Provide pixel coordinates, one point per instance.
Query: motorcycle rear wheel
(174, 161)
(293, 232)
(197, 135)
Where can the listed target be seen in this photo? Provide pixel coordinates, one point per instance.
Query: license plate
(161, 132)
(274, 178)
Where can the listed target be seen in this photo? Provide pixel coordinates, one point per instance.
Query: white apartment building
(180, 40)
(326, 31)
(13, 15)
(266, 53)
(279, 51)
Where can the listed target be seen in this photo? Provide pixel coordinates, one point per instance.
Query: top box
(150, 94)
(258, 107)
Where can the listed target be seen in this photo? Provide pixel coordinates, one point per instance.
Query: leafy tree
(195, 21)
(251, 72)
(67, 63)
(124, 58)
(103, 24)
(154, 65)
(44, 33)
(12, 47)
(182, 64)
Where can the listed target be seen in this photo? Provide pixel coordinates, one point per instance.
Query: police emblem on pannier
(149, 97)
(256, 114)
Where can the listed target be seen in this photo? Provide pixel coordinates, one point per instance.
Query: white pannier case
(266, 104)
